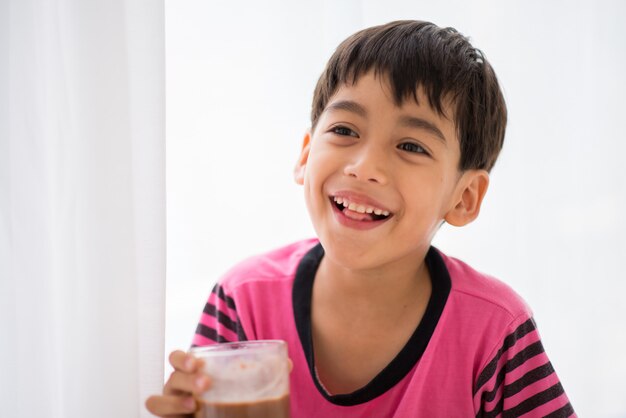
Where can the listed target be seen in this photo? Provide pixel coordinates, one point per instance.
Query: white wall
(240, 78)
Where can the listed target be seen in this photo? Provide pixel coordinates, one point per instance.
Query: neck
(392, 287)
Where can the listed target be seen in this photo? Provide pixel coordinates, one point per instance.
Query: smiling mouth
(358, 211)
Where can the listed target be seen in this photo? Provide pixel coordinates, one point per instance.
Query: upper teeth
(359, 208)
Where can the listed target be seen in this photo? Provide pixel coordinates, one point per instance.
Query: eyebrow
(407, 121)
(419, 123)
(348, 105)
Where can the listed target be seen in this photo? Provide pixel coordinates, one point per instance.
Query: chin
(348, 255)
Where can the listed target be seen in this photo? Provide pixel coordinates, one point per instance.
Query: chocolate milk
(269, 408)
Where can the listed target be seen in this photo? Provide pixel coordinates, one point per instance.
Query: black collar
(402, 364)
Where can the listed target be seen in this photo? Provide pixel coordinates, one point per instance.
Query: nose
(368, 164)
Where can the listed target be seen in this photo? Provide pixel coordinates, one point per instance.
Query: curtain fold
(82, 207)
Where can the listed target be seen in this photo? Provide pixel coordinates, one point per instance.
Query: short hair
(443, 62)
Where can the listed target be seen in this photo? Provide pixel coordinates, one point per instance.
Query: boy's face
(373, 156)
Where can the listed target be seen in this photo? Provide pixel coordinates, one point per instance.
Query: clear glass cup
(248, 380)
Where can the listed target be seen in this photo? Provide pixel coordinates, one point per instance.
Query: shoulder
(276, 264)
(483, 290)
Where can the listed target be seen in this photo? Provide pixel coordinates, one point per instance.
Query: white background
(240, 77)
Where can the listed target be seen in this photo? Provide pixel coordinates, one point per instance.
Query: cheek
(308, 198)
(425, 196)
(320, 166)
(321, 155)
(313, 184)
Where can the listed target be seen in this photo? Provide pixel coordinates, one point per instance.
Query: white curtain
(82, 207)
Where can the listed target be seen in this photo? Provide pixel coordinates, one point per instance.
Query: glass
(248, 380)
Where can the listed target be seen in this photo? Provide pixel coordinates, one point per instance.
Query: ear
(471, 190)
(298, 171)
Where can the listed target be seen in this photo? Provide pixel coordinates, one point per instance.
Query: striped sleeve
(219, 322)
(519, 380)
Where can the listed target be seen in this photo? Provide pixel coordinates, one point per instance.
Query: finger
(290, 365)
(185, 383)
(171, 406)
(185, 362)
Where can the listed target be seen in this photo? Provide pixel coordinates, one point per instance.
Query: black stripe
(519, 359)
(491, 414)
(529, 378)
(210, 333)
(223, 319)
(240, 334)
(509, 342)
(566, 411)
(535, 401)
(234, 326)
(219, 291)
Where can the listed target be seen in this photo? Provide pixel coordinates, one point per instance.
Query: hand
(186, 380)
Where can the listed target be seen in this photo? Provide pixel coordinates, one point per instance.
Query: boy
(407, 121)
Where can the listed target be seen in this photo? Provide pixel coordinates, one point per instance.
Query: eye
(412, 147)
(343, 131)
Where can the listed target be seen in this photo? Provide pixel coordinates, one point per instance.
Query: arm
(218, 323)
(519, 379)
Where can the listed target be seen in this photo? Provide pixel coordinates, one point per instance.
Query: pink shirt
(476, 352)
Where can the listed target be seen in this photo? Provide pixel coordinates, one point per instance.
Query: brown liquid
(270, 408)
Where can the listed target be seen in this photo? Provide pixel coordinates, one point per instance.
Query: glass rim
(237, 347)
